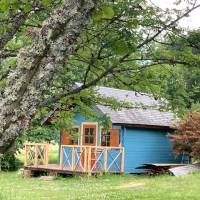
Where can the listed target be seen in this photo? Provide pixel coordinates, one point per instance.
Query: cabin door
(89, 138)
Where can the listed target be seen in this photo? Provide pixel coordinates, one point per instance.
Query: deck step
(47, 178)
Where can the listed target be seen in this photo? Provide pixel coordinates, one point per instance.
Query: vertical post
(85, 168)
(36, 155)
(61, 156)
(89, 160)
(26, 157)
(46, 155)
(105, 159)
(122, 160)
(73, 158)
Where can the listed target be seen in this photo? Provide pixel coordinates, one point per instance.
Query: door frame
(89, 123)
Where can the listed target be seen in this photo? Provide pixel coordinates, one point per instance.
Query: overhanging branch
(7, 53)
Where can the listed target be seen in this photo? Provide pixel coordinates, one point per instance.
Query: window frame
(87, 125)
(106, 142)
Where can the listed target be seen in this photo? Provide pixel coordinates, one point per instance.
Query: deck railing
(77, 158)
(36, 154)
(92, 159)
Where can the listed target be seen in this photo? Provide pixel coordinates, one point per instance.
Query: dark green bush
(8, 162)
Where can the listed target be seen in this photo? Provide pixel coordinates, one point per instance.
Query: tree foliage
(187, 138)
(57, 43)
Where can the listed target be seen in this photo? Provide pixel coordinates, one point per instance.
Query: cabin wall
(146, 146)
(79, 119)
(141, 145)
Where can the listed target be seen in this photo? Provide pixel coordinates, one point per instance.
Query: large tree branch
(37, 65)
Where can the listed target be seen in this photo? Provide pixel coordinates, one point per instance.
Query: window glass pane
(86, 140)
(105, 140)
(91, 140)
(75, 132)
(91, 131)
(89, 135)
(87, 131)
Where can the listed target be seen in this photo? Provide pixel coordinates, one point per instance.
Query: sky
(191, 22)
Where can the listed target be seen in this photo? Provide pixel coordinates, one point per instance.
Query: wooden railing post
(85, 167)
(105, 159)
(46, 155)
(89, 160)
(26, 156)
(122, 160)
(73, 158)
(61, 156)
(36, 156)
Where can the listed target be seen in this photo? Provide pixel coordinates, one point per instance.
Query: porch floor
(55, 168)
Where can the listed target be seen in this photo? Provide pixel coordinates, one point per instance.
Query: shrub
(8, 162)
(187, 137)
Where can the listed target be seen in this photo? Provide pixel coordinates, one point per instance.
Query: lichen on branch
(37, 65)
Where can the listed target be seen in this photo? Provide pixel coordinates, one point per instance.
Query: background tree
(187, 139)
(181, 85)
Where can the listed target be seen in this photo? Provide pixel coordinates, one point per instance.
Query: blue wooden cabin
(137, 135)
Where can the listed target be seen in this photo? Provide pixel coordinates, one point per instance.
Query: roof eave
(158, 127)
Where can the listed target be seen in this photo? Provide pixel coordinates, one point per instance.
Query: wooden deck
(53, 168)
(75, 159)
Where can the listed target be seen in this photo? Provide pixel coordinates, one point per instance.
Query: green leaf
(121, 48)
(4, 6)
(46, 2)
(106, 12)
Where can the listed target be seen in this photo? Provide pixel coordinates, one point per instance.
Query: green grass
(14, 187)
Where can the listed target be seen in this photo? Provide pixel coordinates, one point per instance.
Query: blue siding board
(146, 146)
(78, 119)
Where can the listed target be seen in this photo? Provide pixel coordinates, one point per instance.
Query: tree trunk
(37, 65)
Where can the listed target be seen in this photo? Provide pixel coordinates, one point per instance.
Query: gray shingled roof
(128, 96)
(151, 116)
(135, 116)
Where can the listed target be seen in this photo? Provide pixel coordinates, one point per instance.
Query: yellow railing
(36, 154)
(78, 158)
(91, 159)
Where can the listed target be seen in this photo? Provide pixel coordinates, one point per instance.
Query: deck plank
(55, 168)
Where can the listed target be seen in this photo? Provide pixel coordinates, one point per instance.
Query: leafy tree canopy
(47, 46)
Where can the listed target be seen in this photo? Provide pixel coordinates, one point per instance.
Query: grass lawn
(14, 187)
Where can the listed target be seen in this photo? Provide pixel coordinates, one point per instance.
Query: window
(105, 138)
(75, 135)
(110, 138)
(89, 135)
(70, 137)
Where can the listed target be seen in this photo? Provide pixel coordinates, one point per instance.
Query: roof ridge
(125, 90)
